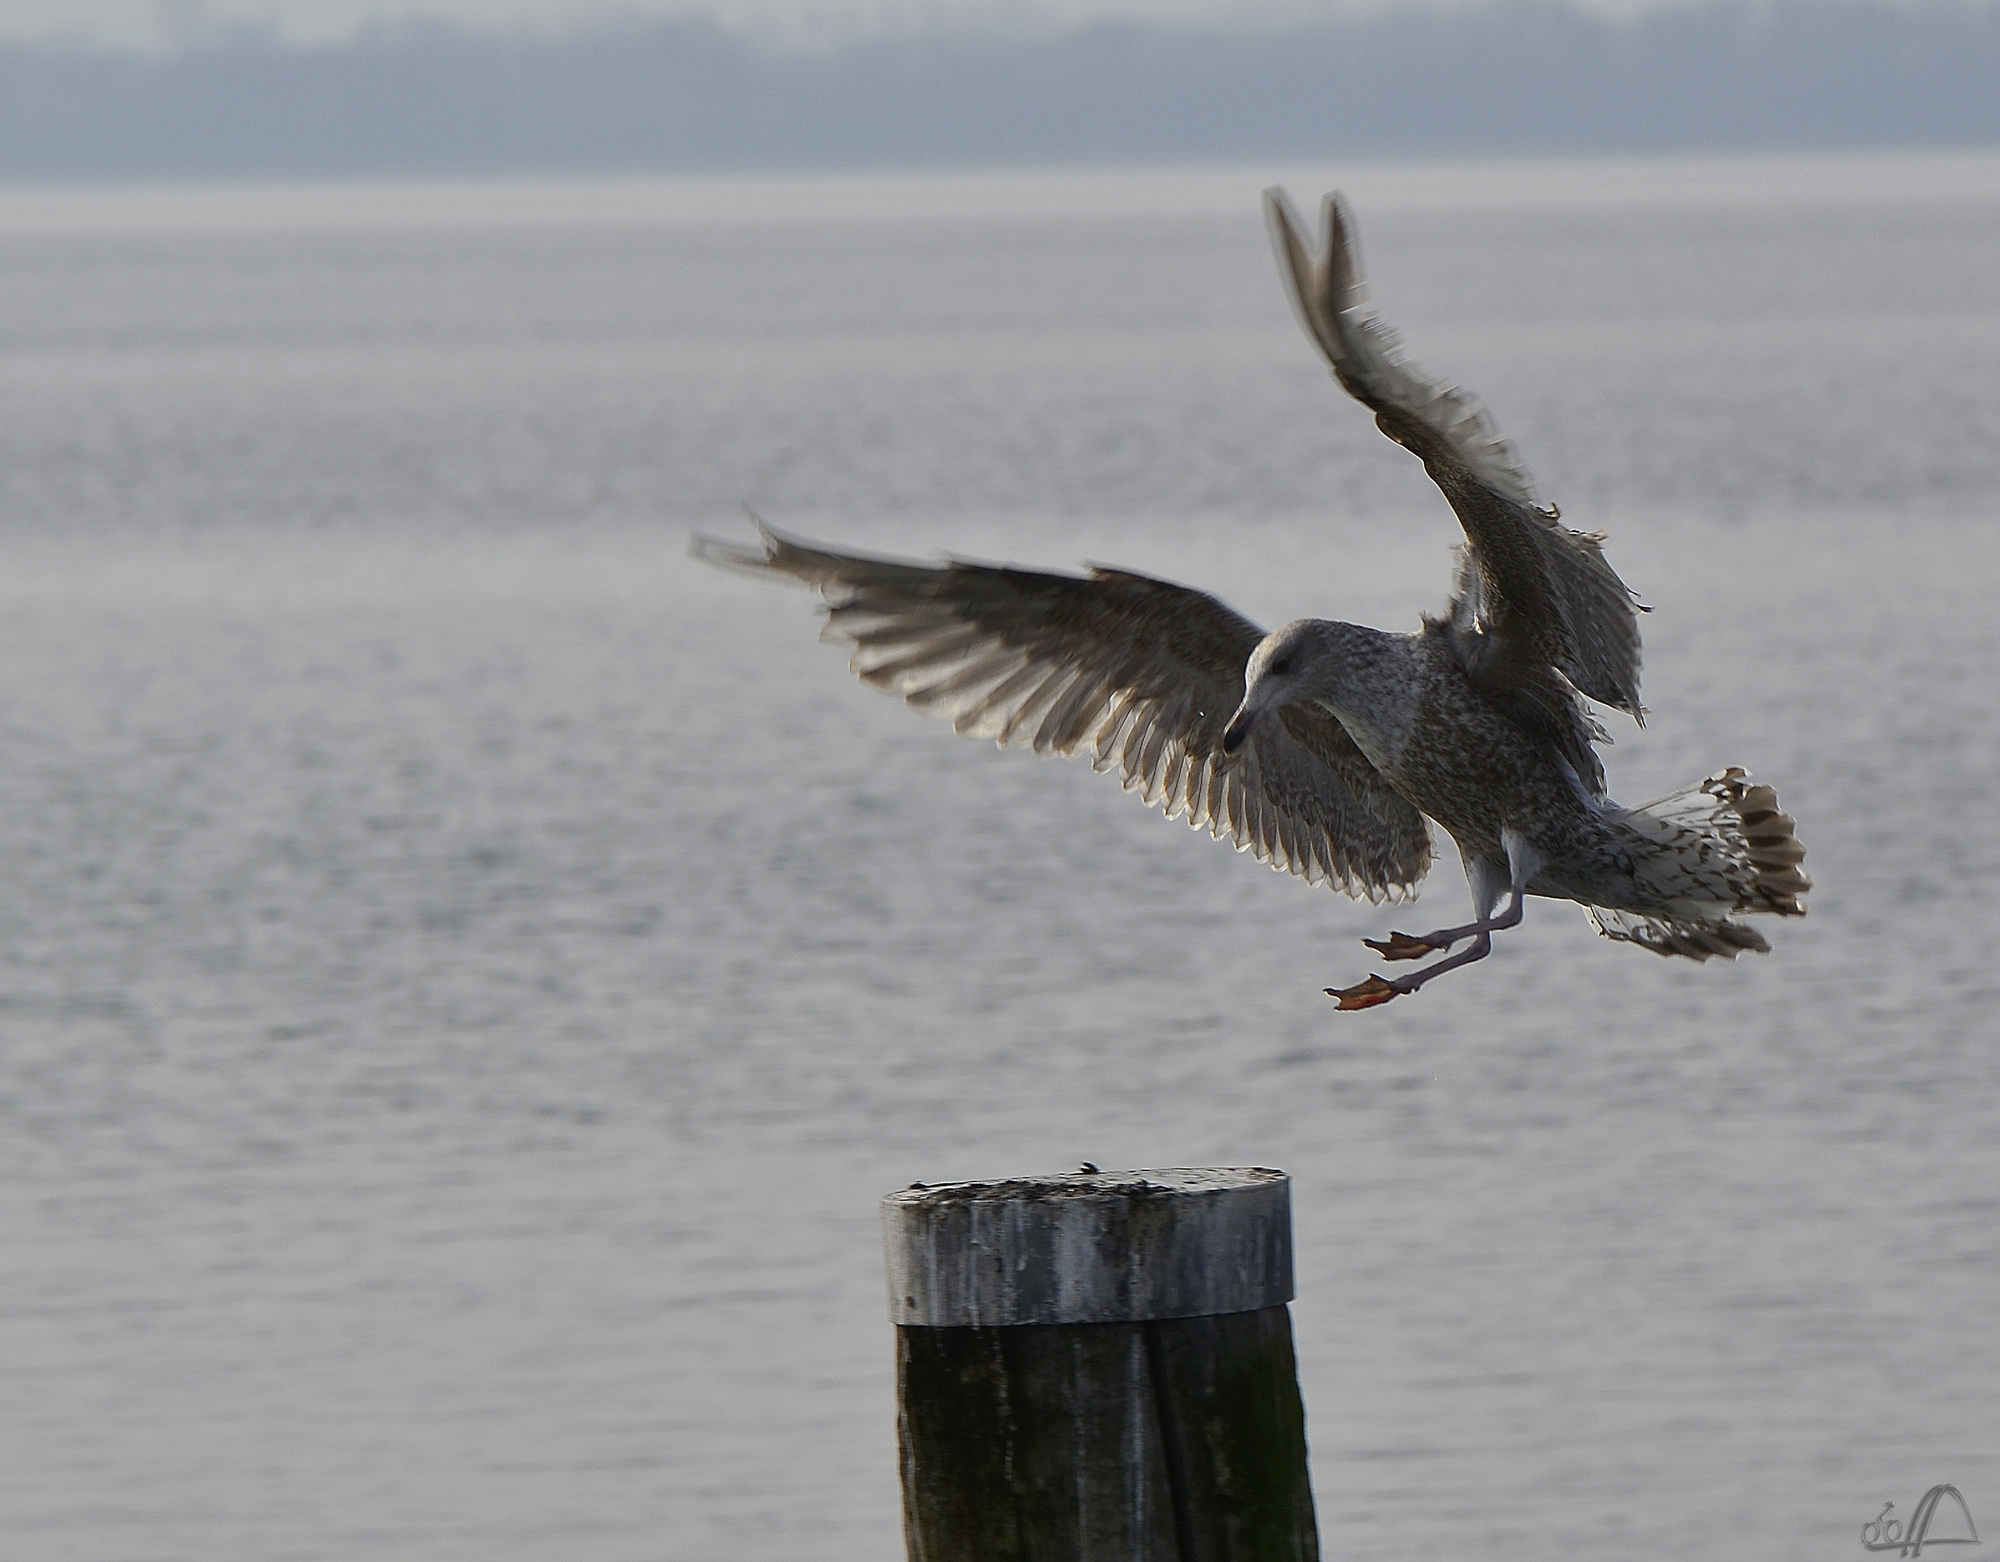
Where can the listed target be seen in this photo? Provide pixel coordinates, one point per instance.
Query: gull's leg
(1487, 878)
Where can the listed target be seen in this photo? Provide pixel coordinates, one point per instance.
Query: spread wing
(1139, 674)
(1536, 594)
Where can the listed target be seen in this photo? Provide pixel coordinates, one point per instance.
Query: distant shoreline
(1220, 189)
(1519, 78)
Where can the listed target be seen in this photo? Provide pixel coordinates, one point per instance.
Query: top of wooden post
(1091, 1247)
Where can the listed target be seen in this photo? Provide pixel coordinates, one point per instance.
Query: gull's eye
(1282, 666)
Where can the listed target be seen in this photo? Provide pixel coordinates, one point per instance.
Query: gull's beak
(1238, 728)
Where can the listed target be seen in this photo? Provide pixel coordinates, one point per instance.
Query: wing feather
(1544, 593)
(1138, 674)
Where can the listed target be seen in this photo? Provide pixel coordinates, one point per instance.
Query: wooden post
(1098, 1368)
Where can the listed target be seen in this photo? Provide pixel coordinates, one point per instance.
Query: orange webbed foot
(1365, 995)
(1401, 946)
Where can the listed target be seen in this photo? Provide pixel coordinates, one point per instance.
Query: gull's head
(1281, 670)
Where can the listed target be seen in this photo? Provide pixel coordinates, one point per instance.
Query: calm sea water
(467, 972)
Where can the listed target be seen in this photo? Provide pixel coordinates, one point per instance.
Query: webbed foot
(1366, 995)
(1401, 946)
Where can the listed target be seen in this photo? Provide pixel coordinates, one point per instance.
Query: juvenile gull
(1323, 747)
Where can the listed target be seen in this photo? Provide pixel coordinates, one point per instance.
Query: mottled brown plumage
(1140, 674)
(1324, 746)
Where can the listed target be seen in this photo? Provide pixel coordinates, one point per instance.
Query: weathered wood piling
(1098, 1368)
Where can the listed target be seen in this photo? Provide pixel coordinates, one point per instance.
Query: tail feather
(1708, 852)
(1669, 935)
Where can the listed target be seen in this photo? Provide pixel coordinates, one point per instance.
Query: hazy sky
(156, 23)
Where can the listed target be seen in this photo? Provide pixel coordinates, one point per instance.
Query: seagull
(1325, 748)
